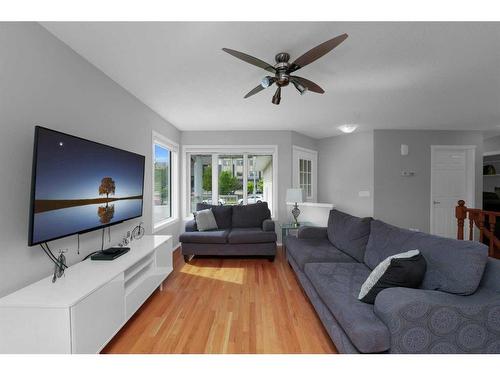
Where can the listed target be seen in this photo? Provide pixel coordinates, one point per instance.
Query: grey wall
(405, 201)
(43, 82)
(283, 139)
(491, 144)
(345, 167)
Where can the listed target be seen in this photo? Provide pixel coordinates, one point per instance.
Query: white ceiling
(384, 76)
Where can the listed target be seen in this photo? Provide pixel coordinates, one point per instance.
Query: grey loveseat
(455, 310)
(243, 230)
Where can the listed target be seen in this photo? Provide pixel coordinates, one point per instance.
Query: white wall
(43, 82)
(345, 167)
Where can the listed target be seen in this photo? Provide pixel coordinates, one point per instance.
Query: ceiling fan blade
(311, 86)
(317, 52)
(254, 91)
(250, 59)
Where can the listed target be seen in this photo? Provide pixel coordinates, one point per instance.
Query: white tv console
(84, 309)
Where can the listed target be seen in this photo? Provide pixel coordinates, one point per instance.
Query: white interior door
(305, 167)
(452, 179)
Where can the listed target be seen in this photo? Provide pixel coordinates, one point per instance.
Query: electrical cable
(50, 255)
(57, 260)
(52, 258)
(89, 255)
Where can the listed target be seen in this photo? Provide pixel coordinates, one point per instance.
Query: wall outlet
(364, 193)
(414, 229)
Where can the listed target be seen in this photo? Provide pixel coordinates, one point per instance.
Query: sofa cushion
(314, 250)
(405, 270)
(223, 214)
(338, 285)
(250, 215)
(213, 236)
(250, 235)
(453, 266)
(205, 220)
(349, 233)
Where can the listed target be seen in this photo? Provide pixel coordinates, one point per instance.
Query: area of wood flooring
(225, 306)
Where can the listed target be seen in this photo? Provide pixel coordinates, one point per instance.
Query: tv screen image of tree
(81, 185)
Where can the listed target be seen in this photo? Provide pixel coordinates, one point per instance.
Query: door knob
(436, 202)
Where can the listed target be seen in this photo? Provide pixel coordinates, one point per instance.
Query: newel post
(460, 214)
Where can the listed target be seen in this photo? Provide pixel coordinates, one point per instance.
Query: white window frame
(173, 147)
(215, 151)
(306, 154)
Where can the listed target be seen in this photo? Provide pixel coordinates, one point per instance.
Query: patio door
(305, 167)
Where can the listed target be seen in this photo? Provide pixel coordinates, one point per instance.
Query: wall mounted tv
(79, 185)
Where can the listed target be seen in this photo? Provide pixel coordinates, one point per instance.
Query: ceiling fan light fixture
(267, 81)
(301, 88)
(347, 128)
(277, 96)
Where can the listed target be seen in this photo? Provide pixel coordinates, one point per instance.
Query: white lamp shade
(294, 195)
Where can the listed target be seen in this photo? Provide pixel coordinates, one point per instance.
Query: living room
(282, 187)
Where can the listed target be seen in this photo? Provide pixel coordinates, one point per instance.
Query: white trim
(173, 147)
(215, 151)
(470, 171)
(491, 153)
(296, 153)
(312, 204)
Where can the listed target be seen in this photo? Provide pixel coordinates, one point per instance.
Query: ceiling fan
(283, 69)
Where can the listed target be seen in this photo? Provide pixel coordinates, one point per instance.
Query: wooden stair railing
(485, 221)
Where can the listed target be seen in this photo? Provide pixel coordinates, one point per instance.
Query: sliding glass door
(240, 178)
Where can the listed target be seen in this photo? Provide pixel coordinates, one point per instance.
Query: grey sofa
(243, 230)
(455, 310)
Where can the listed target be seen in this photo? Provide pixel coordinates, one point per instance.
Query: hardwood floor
(225, 306)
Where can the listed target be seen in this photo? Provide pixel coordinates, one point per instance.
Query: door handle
(436, 202)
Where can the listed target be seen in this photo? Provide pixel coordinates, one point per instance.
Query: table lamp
(295, 196)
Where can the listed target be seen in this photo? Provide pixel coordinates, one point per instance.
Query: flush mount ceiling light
(347, 128)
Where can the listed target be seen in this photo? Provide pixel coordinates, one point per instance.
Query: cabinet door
(96, 319)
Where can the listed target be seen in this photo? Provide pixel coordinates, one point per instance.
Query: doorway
(452, 178)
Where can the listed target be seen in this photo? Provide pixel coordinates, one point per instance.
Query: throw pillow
(405, 270)
(205, 220)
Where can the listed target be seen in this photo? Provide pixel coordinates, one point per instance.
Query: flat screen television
(79, 185)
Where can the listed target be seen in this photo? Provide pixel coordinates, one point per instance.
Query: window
(305, 175)
(242, 176)
(260, 179)
(200, 180)
(164, 177)
(162, 194)
(230, 179)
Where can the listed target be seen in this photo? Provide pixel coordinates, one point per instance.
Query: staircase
(484, 221)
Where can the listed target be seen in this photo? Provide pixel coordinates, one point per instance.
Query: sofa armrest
(268, 225)
(431, 321)
(191, 226)
(312, 232)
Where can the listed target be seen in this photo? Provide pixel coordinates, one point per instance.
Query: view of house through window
(260, 179)
(230, 178)
(201, 180)
(233, 186)
(162, 192)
